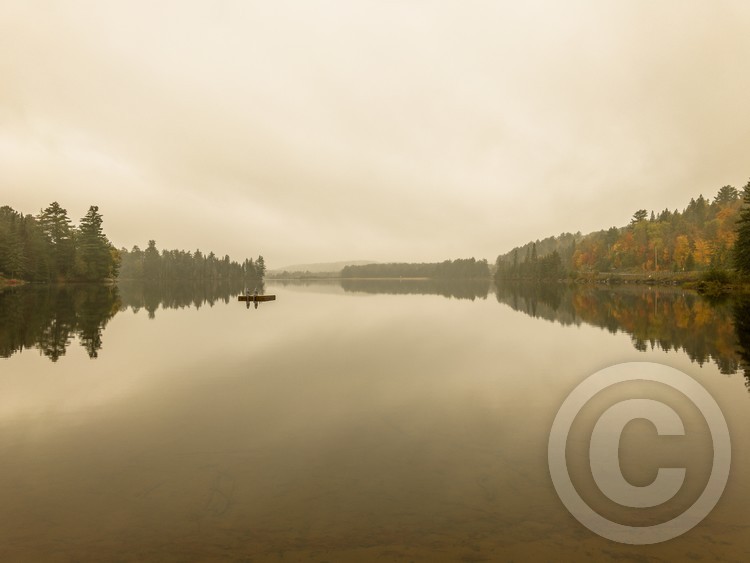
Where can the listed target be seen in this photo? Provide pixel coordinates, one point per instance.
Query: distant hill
(322, 267)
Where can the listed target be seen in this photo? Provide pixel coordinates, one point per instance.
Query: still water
(346, 421)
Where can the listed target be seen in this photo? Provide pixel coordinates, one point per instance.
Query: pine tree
(55, 225)
(249, 268)
(198, 262)
(151, 261)
(94, 260)
(742, 246)
(639, 216)
(260, 267)
(14, 255)
(12, 258)
(37, 261)
(727, 194)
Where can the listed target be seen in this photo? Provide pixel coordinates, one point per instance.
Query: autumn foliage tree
(701, 237)
(742, 245)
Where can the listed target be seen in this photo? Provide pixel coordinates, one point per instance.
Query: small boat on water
(257, 298)
(254, 297)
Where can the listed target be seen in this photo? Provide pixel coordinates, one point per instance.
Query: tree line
(706, 235)
(171, 265)
(47, 247)
(462, 268)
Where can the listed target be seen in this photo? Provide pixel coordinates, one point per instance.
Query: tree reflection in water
(456, 289)
(741, 310)
(49, 317)
(667, 318)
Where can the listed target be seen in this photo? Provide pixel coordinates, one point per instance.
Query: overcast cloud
(321, 131)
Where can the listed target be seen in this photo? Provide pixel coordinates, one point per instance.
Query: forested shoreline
(181, 265)
(462, 268)
(709, 237)
(47, 247)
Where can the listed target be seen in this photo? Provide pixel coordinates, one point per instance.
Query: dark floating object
(257, 298)
(254, 297)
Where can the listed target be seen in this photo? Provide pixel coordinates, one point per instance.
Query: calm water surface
(352, 421)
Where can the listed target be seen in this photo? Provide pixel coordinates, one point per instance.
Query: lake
(348, 421)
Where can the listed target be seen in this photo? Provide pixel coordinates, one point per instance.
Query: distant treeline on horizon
(464, 268)
(48, 248)
(150, 264)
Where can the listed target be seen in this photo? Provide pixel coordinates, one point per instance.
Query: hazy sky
(414, 130)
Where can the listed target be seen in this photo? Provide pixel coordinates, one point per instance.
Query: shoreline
(695, 281)
(6, 283)
(339, 278)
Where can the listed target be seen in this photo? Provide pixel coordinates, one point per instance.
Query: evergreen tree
(94, 260)
(639, 216)
(12, 259)
(742, 245)
(47, 247)
(55, 226)
(260, 267)
(727, 194)
(198, 265)
(132, 263)
(36, 252)
(151, 261)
